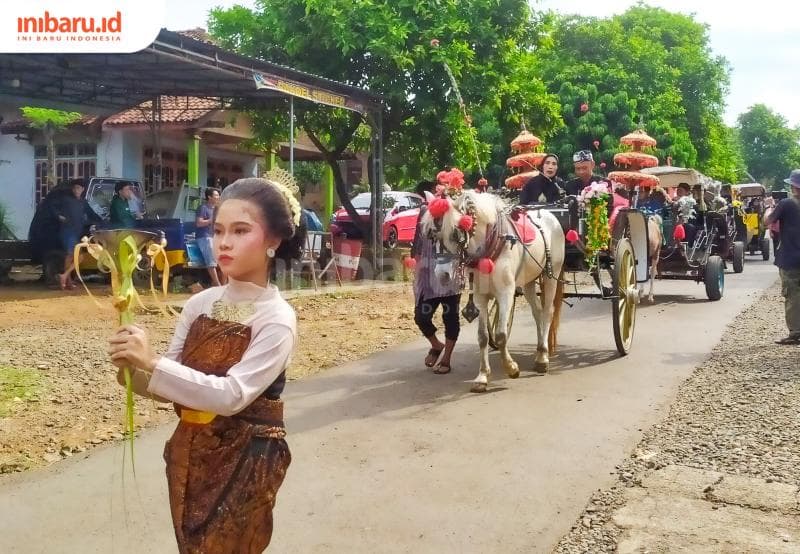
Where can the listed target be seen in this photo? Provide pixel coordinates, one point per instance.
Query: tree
(647, 65)
(771, 148)
(50, 122)
(389, 47)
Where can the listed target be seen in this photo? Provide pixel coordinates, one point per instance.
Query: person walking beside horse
(430, 293)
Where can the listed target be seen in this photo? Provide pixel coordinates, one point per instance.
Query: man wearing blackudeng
(787, 256)
(584, 173)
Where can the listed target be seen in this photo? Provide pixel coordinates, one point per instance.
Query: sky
(761, 41)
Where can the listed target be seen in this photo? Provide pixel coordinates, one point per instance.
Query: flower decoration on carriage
(594, 199)
(596, 190)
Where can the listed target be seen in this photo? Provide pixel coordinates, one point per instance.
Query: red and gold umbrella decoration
(635, 160)
(525, 160)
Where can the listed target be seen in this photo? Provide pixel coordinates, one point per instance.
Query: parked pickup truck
(171, 211)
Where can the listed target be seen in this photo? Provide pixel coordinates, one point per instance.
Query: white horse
(514, 265)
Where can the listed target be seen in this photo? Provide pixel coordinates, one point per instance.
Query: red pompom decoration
(584, 107)
(572, 236)
(679, 233)
(455, 178)
(443, 177)
(410, 263)
(439, 207)
(485, 266)
(465, 223)
(596, 144)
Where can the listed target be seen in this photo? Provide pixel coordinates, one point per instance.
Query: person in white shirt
(225, 372)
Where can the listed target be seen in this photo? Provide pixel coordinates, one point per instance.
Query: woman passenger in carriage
(545, 187)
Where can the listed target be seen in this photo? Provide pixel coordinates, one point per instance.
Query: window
(72, 160)
(221, 173)
(174, 169)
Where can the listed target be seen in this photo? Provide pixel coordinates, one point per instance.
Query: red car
(400, 214)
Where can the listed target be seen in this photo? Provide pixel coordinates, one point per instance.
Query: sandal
(442, 369)
(433, 353)
(791, 339)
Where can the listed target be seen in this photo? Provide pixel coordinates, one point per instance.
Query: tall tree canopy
(646, 64)
(771, 148)
(386, 46)
(49, 122)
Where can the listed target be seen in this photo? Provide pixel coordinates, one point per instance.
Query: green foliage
(305, 173)
(771, 148)
(646, 65)
(511, 64)
(42, 118)
(385, 46)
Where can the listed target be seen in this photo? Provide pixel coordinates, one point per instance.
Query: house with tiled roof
(125, 145)
(190, 131)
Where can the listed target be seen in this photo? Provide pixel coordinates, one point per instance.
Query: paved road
(390, 458)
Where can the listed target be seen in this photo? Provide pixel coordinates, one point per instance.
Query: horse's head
(460, 225)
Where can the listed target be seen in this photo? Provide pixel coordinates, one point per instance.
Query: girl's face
(550, 167)
(241, 241)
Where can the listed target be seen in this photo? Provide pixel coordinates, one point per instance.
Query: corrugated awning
(174, 65)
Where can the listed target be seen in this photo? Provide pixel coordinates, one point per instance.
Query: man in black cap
(584, 173)
(787, 255)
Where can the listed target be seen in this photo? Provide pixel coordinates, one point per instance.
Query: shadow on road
(661, 299)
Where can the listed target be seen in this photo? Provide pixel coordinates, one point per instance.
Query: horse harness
(505, 232)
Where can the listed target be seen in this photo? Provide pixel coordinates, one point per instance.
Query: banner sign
(305, 91)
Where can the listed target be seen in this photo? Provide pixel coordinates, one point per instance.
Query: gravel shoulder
(733, 427)
(58, 393)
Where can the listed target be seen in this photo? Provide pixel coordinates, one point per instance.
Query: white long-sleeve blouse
(273, 335)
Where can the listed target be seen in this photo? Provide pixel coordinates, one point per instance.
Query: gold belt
(194, 416)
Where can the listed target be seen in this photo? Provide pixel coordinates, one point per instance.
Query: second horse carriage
(698, 239)
(750, 203)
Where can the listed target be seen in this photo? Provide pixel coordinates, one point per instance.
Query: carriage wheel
(623, 306)
(738, 257)
(494, 320)
(765, 249)
(714, 278)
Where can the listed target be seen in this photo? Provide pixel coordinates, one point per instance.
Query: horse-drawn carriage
(611, 273)
(698, 239)
(750, 204)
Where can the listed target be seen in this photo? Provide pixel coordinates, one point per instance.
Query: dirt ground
(59, 395)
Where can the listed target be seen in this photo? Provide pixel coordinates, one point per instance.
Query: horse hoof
(540, 367)
(513, 371)
(478, 387)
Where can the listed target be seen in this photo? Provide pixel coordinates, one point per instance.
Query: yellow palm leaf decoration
(118, 253)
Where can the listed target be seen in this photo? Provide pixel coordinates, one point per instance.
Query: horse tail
(552, 336)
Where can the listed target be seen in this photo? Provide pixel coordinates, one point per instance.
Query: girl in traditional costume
(225, 372)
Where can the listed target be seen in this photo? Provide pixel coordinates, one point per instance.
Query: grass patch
(24, 384)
